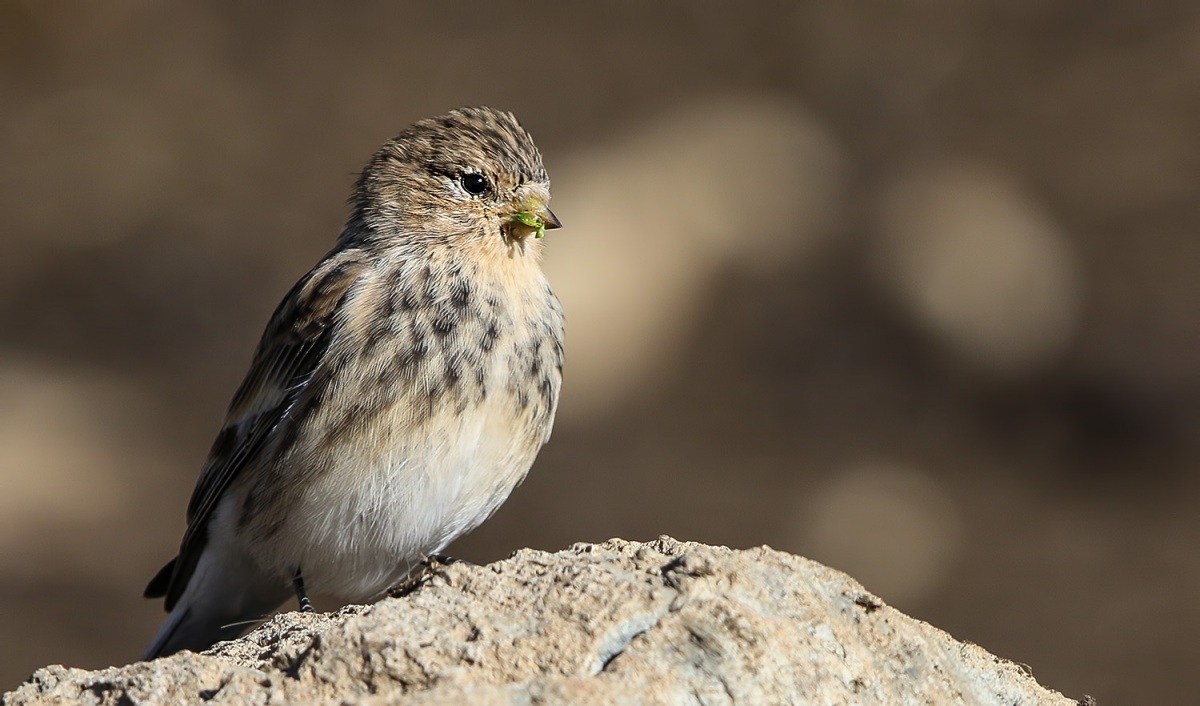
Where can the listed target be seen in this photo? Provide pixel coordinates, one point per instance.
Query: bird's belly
(368, 521)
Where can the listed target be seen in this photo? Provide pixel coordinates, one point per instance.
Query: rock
(618, 622)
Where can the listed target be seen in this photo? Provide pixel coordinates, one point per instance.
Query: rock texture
(618, 622)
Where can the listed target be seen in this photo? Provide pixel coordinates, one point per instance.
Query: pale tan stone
(612, 623)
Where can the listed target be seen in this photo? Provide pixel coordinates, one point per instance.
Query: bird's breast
(441, 405)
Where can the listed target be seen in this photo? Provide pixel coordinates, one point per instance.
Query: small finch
(399, 393)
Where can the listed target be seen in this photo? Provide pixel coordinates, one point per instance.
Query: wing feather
(283, 375)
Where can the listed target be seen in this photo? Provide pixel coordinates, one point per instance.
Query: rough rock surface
(618, 622)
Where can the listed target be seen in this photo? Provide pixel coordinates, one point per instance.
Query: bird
(400, 391)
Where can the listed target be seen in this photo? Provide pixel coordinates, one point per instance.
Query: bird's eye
(475, 184)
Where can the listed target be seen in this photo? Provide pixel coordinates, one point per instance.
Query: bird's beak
(536, 220)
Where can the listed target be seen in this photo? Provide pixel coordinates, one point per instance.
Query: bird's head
(472, 176)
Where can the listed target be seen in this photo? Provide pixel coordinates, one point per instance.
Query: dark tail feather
(185, 630)
(157, 588)
(171, 637)
(223, 595)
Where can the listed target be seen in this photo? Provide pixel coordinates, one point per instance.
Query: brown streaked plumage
(399, 393)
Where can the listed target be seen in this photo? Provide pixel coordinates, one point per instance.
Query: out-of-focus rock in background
(613, 623)
(908, 288)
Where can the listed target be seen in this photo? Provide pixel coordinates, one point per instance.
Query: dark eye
(474, 184)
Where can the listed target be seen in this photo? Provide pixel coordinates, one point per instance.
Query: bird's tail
(185, 629)
(222, 600)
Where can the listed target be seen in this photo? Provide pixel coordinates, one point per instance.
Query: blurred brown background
(907, 287)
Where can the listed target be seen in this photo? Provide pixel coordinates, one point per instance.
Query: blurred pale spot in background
(894, 528)
(733, 182)
(980, 264)
(67, 458)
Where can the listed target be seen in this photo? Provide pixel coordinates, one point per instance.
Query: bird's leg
(306, 605)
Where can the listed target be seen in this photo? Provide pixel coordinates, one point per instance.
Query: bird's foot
(432, 565)
(442, 560)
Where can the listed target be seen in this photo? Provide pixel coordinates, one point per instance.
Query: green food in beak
(539, 221)
(532, 220)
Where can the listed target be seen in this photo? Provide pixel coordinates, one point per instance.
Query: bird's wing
(285, 375)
